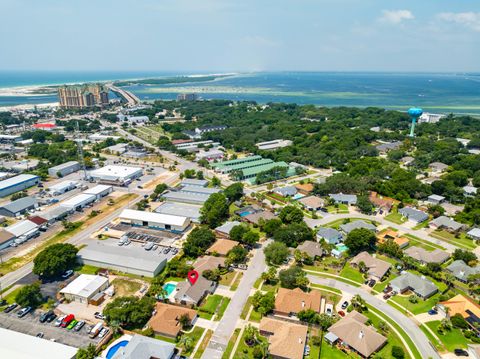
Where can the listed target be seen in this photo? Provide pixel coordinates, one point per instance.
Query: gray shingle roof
(419, 285)
(422, 255)
(145, 347)
(344, 198)
(444, 221)
(461, 270)
(286, 191)
(413, 214)
(350, 226)
(329, 234)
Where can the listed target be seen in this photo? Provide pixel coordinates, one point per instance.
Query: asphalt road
(418, 337)
(219, 341)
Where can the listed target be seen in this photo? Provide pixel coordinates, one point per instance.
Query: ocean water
(434, 92)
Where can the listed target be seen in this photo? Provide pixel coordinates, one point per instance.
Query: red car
(341, 313)
(66, 321)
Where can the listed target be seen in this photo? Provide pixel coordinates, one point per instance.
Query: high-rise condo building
(81, 96)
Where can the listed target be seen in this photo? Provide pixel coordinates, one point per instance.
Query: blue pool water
(298, 196)
(111, 352)
(169, 288)
(245, 213)
(342, 247)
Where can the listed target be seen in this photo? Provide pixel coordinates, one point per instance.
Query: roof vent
(361, 334)
(303, 304)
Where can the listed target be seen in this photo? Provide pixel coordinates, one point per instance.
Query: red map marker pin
(192, 276)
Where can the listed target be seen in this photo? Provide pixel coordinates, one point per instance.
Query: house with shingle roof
(420, 285)
(330, 235)
(437, 167)
(208, 263)
(311, 248)
(223, 231)
(463, 306)
(350, 226)
(188, 294)
(413, 214)
(289, 302)
(446, 223)
(376, 268)
(424, 257)
(166, 320)
(353, 332)
(474, 233)
(254, 218)
(285, 340)
(462, 271)
(288, 191)
(342, 198)
(222, 246)
(312, 203)
(390, 234)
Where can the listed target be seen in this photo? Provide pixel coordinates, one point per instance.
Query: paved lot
(31, 326)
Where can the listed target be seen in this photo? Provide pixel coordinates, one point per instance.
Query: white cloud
(396, 16)
(470, 20)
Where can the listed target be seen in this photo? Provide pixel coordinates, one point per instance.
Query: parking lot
(30, 325)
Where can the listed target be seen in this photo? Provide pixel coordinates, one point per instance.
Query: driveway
(418, 337)
(227, 324)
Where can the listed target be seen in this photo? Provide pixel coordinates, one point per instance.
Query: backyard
(126, 287)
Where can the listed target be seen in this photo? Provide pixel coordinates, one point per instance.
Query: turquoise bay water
(435, 92)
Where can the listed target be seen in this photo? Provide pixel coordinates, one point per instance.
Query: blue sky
(241, 35)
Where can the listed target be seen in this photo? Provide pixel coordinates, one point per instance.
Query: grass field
(451, 339)
(235, 284)
(227, 278)
(231, 344)
(395, 217)
(462, 241)
(245, 349)
(209, 306)
(195, 335)
(342, 208)
(221, 309)
(337, 223)
(352, 273)
(415, 241)
(331, 352)
(125, 287)
(421, 307)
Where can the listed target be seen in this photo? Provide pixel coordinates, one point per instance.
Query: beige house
(291, 301)
(376, 268)
(286, 340)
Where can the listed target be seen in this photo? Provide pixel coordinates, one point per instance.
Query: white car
(59, 320)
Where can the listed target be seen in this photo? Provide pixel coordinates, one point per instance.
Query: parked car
(40, 335)
(155, 247)
(341, 313)
(371, 283)
(432, 312)
(59, 320)
(67, 320)
(103, 332)
(44, 317)
(51, 318)
(386, 296)
(344, 305)
(148, 246)
(166, 250)
(460, 352)
(72, 324)
(242, 266)
(393, 293)
(387, 289)
(10, 308)
(95, 330)
(24, 311)
(67, 274)
(99, 315)
(79, 325)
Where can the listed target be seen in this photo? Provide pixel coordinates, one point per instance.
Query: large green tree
(198, 241)
(55, 260)
(234, 192)
(293, 234)
(293, 277)
(360, 239)
(29, 295)
(129, 312)
(291, 214)
(276, 253)
(214, 210)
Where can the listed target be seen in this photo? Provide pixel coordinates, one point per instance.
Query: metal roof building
(84, 287)
(23, 228)
(18, 207)
(194, 182)
(180, 209)
(201, 190)
(185, 197)
(64, 169)
(79, 201)
(17, 183)
(154, 220)
(116, 174)
(62, 187)
(99, 191)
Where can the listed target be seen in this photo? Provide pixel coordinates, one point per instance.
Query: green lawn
(237, 281)
(396, 217)
(415, 241)
(380, 286)
(195, 335)
(203, 346)
(227, 278)
(331, 352)
(421, 225)
(222, 308)
(421, 307)
(451, 339)
(318, 286)
(125, 287)
(87, 269)
(352, 273)
(246, 308)
(245, 349)
(462, 241)
(337, 223)
(231, 343)
(167, 339)
(341, 208)
(10, 297)
(209, 306)
(436, 343)
(257, 283)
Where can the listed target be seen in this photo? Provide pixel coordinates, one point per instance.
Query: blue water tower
(414, 114)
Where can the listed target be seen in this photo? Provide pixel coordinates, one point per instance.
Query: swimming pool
(298, 196)
(245, 213)
(169, 288)
(111, 352)
(342, 248)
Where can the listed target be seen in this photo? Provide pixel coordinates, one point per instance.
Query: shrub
(397, 352)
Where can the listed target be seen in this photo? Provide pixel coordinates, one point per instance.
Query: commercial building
(185, 197)
(54, 214)
(354, 333)
(199, 190)
(116, 175)
(187, 97)
(101, 137)
(62, 187)
(18, 207)
(195, 146)
(289, 302)
(145, 347)
(180, 209)
(199, 131)
(23, 230)
(166, 320)
(376, 268)
(85, 287)
(419, 285)
(285, 340)
(79, 201)
(99, 191)
(131, 259)
(6, 239)
(176, 224)
(194, 182)
(23, 346)
(83, 96)
(210, 155)
(273, 145)
(17, 183)
(64, 169)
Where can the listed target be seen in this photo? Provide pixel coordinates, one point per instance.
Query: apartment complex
(81, 96)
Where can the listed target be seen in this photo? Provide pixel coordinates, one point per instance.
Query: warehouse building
(84, 288)
(17, 183)
(116, 175)
(23, 230)
(62, 187)
(64, 169)
(131, 259)
(6, 239)
(176, 224)
(99, 191)
(18, 207)
(79, 201)
(185, 197)
(200, 190)
(194, 182)
(55, 214)
(180, 209)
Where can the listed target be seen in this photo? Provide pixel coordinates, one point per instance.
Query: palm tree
(185, 321)
(186, 342)
(250, 335)
(358, 303)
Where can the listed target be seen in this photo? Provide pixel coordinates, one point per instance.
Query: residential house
(420, 285)
(444, 222)
(384, 148)
(353, 332)
(208, 263)
(145, 347)
(381, 202)
(223, 231)
(435, 199)
(191, 295)
(330, 235)
(166, 320)
(350, 226)
(462, 271)
(312, 249)
(305, 188)
(414, 215)
(376, 268)
(474, 233)
(407, 160)
(254, 218)
(469, 191)
(222, 246)
(312, 203)
(391, 234)
(288, 191)
(464, 306)
(424, 257)
(340, 198)
(285, 340)
(291, 301)
(437, 167)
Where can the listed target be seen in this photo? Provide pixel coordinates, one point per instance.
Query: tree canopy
(360, 239)
(55, 260)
